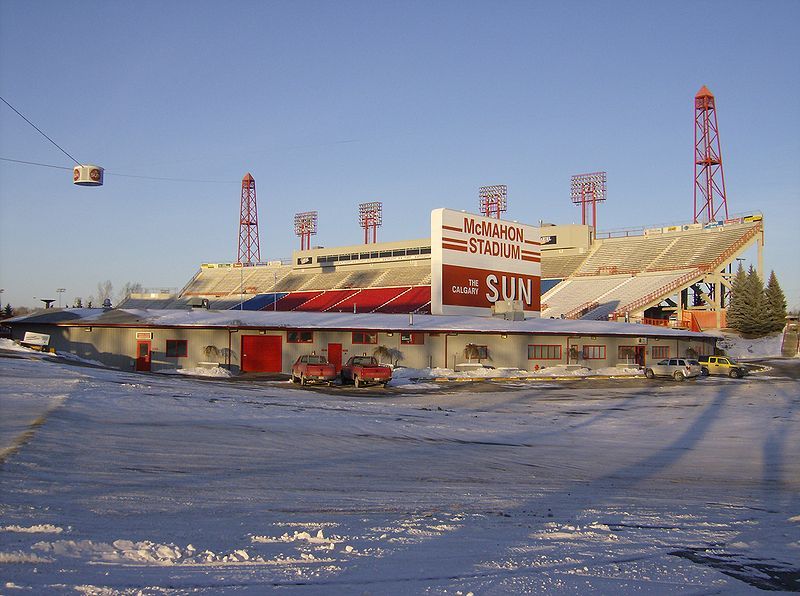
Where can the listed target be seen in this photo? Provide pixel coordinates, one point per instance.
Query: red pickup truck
(365, 370)
(313, 369)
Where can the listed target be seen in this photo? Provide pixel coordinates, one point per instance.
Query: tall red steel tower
(709, 179)
(370, 217)
(493, 200)
(305, 226)
(249, 249)
(586, 189)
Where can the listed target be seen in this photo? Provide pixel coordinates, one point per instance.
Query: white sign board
(477, 261)
(36, 339)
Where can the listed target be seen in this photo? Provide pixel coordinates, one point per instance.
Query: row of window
(177, 348)
(400, 252)
(553, 352)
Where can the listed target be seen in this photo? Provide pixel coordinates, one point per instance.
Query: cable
(47, 165)
(40, 130)
(34, 163)
(174, 179)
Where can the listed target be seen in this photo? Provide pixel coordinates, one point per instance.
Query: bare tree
(105, 289)
(128, 289)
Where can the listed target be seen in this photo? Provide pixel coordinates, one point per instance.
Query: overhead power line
(41, 132)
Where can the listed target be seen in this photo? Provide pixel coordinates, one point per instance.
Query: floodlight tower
(370, 217)
(493, 200)
(305, 226)
(709, 179)
(588, 188)
(249, 249)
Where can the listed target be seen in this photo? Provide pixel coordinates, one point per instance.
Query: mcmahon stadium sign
(477, 261)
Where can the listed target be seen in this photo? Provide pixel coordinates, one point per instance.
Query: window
(660, 352)
(594, 352)
(414, 339)
(176, 348)
(481, 352)
(364, 337)
(626, 353)
(549, 352)
(299, 337)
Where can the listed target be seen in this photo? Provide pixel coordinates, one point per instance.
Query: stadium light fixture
(493, 200)
(588, 188)
(305, 226)
(370, 217)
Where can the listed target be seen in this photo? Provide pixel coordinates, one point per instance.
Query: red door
(261, 353)
(143, 356)
(335, 356)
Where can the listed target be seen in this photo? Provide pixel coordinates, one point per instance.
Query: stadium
(552, 294)
(675, 275)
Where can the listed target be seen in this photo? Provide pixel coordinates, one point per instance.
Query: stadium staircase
(790, 345)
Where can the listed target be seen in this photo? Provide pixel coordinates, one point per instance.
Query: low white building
(265, 341)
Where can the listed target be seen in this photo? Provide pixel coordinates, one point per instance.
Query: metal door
(261, 353)
(143, 356)
(335, 356)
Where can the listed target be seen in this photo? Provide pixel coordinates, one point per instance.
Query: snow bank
(37, 529)
(199, 371)
(11, 345)
(736, 346)
(406, 376)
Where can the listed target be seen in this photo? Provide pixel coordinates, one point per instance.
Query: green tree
(736, 305)
(750, 315)
(775, 304)
(8, 312)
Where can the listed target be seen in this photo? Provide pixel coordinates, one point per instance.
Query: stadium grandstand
(675, 276)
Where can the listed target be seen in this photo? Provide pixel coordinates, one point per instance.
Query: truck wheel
(679, 375)
(734, 374)
(357, 382)
(303, 380)
(294, 379)
(649, 373)
(704, 371)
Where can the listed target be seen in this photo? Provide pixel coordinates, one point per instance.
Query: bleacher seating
(325, 300)
(416, 299)
(573, 292)
(699, 248)
(637, 287)
(369, 299)
(294, 299)
(404, 276)
(325, 281)
(556, 266)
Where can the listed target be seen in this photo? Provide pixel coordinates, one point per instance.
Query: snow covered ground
(121, 483)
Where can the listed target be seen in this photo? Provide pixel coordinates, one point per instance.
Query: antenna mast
(709, 179)
(249, 249)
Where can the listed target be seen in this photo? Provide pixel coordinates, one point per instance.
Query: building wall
(116, 347)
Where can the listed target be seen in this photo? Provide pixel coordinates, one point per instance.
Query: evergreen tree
(8, 312)
(775, 304)
(734, 315)
(753, 316)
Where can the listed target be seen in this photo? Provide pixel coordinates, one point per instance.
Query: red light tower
(370, 217)
(249, 248)
(305, 226)
(709, 179)
(493, 200)
(588, 188)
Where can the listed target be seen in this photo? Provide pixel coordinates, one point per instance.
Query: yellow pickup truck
(721, 365)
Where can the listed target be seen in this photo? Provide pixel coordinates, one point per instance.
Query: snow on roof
(363, 321)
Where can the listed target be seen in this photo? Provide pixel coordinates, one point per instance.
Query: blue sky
(416, 104)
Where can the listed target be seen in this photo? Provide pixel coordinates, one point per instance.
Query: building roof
(202, 318)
